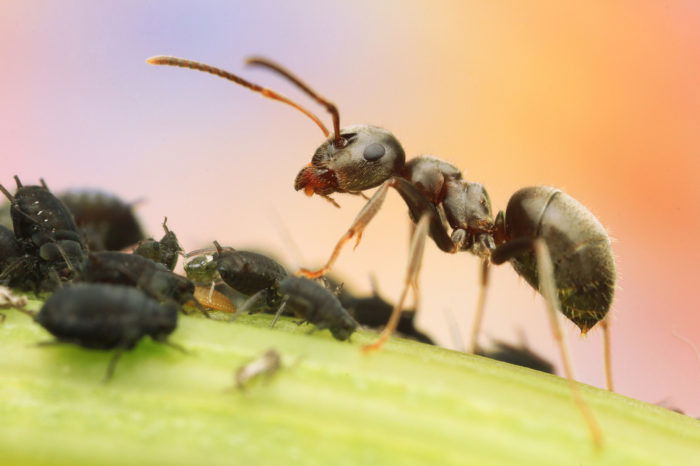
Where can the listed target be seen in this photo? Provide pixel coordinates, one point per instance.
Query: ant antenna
(218, 247)
(338, 140)
(269, 93)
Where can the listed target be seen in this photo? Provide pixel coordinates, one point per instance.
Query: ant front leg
(358, 226)
(417, 204)
(414, 262)
(548, 289)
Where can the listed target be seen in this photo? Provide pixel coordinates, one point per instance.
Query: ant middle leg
(415, 260)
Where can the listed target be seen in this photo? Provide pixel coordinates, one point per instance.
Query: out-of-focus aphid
(264, 366)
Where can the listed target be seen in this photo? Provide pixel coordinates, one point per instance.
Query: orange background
(600, 99)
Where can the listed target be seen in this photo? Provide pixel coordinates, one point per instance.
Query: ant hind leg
(480, 306)
(548, 288)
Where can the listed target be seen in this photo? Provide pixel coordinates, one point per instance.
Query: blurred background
(601, 99)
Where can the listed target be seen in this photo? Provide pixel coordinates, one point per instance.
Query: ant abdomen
(584, 267)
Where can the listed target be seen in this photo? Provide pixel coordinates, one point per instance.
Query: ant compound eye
(374, 152)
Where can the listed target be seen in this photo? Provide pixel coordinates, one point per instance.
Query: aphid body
(108, 222)
(102, 316)
(133, 270)
(166, 251)
(317, 305)
(106, 317)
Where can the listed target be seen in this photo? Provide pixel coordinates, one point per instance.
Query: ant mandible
(551, 240)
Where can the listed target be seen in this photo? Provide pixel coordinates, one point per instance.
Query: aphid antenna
(218, 249)
(175, 346)
(7, 194)
(199, 252)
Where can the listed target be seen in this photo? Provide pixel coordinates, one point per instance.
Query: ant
(550, 239)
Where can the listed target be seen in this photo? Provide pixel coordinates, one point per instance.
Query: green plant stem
(330, 404)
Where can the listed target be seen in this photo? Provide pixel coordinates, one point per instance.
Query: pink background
(600, 99)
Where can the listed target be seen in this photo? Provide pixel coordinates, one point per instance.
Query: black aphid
(106, 317)
(133, 270)
(251, 274)
(166, 251)
(519, 355)
(374, 312)
(317, 305)
(53, 246)
(108, 222)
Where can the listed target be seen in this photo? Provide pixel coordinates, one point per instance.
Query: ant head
(353, 159)
(367, 157)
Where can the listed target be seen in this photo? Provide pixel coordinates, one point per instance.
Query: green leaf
(330, 404)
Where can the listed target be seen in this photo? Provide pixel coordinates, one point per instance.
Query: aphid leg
(31, 314)
(358, 225)
(65, 258)
(545, 271)
(200, 308)
(53, 275)
(480, 306)
(249, 303)
(43, 184)
(278, 313)
(175, 346)
(17, 263)
(607, 351)
(112, 365)
(50, 343)
(415, 259)
(211, 290)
